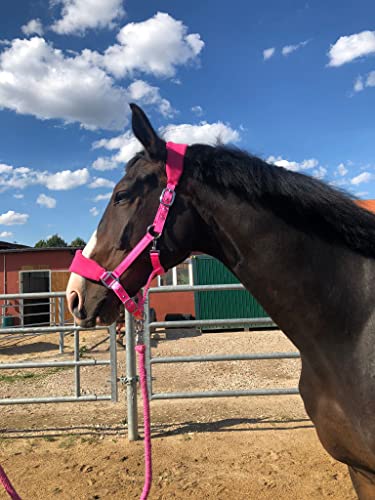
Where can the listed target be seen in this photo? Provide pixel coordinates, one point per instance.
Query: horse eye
(121, 196)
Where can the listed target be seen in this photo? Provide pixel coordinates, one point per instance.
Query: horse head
(128, 216)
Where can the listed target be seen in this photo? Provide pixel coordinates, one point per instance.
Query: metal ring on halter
(150, 228)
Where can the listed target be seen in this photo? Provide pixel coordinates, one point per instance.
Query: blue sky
(292, 82)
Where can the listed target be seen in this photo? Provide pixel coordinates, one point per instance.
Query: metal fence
(151, 361)
(33, 309)
(22, 312)
(58, 325)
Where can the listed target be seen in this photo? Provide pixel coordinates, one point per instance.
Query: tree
(41, 244)
(78, 242)
(56, 241)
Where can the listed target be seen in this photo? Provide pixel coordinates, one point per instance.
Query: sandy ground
(232, 448)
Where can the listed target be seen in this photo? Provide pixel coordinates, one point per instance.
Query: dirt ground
(232, 448)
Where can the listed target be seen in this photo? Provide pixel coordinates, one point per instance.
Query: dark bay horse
(303, 249)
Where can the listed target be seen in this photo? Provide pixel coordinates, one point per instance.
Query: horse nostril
(75, 305)
(73, 301)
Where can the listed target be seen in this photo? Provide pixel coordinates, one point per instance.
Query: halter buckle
(167, 203)
(108, 279)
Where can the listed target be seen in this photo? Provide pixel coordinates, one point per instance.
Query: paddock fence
(231, 323)
(53, 306)
(13, 305)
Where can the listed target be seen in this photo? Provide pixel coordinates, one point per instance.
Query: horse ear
(146, 135)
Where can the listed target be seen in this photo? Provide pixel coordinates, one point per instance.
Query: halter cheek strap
(90, 269)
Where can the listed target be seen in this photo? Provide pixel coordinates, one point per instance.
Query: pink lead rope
(146, 421)
(90, 269)
(8, 485)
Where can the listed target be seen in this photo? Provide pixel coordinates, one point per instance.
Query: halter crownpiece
(88, 268)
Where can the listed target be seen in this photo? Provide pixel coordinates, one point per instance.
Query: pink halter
(90, 269)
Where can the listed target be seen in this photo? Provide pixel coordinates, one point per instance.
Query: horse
(304, 249)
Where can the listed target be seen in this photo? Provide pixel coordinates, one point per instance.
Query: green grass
(50, 439)
(68, 442)
(24, 377)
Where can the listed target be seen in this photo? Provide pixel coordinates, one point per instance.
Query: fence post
(113, 357)
(131, 378)
(61, 322)
(77, 373)
(147, 341)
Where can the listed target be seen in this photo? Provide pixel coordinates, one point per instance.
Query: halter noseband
(88, 268)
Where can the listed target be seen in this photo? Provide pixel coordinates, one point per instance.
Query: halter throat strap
(90, 269)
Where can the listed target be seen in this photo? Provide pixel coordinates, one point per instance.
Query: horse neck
(303, 282)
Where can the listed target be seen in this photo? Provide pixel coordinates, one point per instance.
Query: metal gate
(13, 308)
(201, 323)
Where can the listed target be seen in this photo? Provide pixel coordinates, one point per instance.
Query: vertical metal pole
(147, 340)
(131, 378)
(113, 358)
(52, 311)
(77, 373)
(22, 312)
(61, 323)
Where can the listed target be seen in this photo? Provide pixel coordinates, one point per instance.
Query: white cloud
(370, 82)
(5, 168)
(197, 110)
(104, 163)
(288, 49)
(358, 84)
(12, 218)
(348, 48)
(361, 178)
(155, 46)
(94, 211)
(205, 133)
(361, 194)
(18, 196)
(66, 179)
(294, 166)
(268, 53)
(34, 26)
(362, 82)
(342, 170)
(99, 182)
(339, 182)
(102, 197)
(46, 201)
(22, 177)
(320, 173)
(144, 93)
(6, 234)
(80, 15)
(39, 80)
(126, 143)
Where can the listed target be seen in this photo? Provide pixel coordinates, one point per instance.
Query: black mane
(302, 201)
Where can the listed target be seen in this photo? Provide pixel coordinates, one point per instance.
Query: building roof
(24, 248)
(5, 245)
(367, 204)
